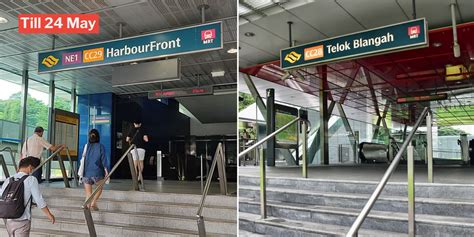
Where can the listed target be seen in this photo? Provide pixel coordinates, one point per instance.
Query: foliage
(449, 131)
(37, 111)
(245, 100)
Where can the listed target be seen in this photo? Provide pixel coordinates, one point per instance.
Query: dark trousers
(38, 174)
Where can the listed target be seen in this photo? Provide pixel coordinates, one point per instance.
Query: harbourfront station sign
(397, 37)
(162, 44)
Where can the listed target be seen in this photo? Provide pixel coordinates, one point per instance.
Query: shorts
(91, 180)
(141, 154)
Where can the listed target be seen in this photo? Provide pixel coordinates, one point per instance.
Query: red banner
(58, 23)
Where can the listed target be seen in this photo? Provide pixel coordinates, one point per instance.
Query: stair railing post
(63, 171)
(429, 146)
(90, 222)
(304, 153)
(73, 170)
(411, 191)
(221, 171)
(133, 172)
(263, 186)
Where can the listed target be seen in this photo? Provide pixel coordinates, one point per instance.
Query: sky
(8, 88)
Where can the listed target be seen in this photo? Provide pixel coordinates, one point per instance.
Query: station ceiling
(378, 80)
(19, 52)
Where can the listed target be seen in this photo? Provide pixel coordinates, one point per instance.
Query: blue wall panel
(91, 108)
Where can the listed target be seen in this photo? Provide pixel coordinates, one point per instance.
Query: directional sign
(162, 44)
(412, 99)
(160, 94)
(397, 37)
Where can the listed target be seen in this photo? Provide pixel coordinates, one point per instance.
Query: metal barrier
(263, 199)
(9, 149)
(61, 166)
(411, 185)
(87, 211)
(4, 166)
(219, 161)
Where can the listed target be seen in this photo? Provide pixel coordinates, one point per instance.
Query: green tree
(37, 111)
(449, 131)
(245, 100)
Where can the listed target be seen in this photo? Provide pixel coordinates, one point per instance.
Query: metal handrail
(56, 152)
(200, 221)
(271, 135)
(380, 186)
(263, 198)
(87, 213)
(88, 200)
(61, 165)
(11, 154)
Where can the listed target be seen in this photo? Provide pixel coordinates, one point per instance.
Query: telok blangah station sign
(397, 37)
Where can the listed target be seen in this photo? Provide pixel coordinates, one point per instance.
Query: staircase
(305, 207)
(130, 213)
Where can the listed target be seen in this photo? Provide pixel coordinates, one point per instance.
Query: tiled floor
(167, 186)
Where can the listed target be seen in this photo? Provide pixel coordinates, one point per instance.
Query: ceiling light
(218, 73)
(437, 44)
(3, 20)
(232, 50)
(249, 34)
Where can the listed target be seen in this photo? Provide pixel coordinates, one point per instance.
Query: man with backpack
(17, 193)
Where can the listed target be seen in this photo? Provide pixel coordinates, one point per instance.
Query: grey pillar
(51, 108)
(270, 153)
(323, 116)
(50, 123)
(24, 98)
(73, 100)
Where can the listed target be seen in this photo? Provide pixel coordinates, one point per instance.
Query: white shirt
(31, 189)
(36, 144)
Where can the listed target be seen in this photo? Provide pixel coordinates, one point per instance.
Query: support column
(24, 98)
(323, 116)
(52, 90)
(50, 123)
(270, 153)
(73, 100)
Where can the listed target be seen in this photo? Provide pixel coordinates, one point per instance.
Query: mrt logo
(414, 31)
(208, 36)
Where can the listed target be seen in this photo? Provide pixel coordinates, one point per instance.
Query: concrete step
(165, 208)
(252, 225)
(443, 191)
(431, 206)
(144, 220)
(74, 227)
(136, 196)
(426, 225)
(45, 233)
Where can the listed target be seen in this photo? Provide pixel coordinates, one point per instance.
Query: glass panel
(10, 105)
(62, 100)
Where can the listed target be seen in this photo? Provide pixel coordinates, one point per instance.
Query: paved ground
(167, 186)
(369, 172)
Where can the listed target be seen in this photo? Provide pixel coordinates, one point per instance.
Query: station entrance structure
(400, 88)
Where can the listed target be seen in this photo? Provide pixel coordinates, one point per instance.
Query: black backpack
(12, 202)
